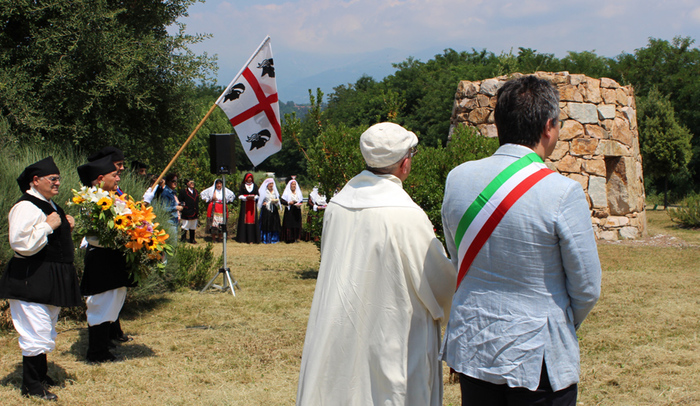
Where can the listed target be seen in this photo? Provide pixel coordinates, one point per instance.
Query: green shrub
(688, 215)
(194, 266)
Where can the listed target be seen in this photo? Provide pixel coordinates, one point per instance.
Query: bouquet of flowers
(120, 223)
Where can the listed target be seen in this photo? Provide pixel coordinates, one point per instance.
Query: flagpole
(206, 116)
(235, 78)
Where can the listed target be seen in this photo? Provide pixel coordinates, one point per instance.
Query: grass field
(639, 346)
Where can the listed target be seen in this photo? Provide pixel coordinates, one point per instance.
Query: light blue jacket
(531, 285)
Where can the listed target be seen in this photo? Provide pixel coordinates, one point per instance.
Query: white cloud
(695, 15)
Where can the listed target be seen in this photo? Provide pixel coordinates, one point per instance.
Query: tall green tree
(674, 68)
(95, 72)
(665, 144)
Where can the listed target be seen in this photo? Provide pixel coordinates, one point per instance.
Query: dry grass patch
(639, 346)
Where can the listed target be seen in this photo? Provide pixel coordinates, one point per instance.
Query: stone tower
(598, 144)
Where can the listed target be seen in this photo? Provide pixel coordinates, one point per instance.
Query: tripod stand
(225, 271)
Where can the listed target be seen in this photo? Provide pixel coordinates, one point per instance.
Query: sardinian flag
(251, 104)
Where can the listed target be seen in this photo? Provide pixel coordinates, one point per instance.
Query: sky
(326, 43)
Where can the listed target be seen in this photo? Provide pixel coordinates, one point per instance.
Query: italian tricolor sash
(484, 214)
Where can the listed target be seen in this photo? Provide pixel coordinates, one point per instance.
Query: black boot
(98, 344)
(183, 238)
(192, 241)
(43, 370)
(31, 378)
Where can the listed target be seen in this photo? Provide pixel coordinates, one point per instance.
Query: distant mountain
(297, 72)
(330, 71)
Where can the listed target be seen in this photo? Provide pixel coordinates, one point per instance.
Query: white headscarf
(316, 198)
(266, 195)
(210, 193)
(289, 196)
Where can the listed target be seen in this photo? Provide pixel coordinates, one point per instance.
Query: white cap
(384, 144)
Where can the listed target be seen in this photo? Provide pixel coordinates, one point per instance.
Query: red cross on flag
(251, 104)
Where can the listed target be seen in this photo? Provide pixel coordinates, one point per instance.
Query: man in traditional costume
(40, 278)
(117, 157)
(189, 200)
(383, 287)
(521, 239)
(105, 277)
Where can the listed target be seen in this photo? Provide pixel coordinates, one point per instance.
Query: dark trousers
(476, 392)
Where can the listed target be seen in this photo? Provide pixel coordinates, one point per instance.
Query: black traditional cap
(42, 168)
(91, 170)
(136, 165)
(114, 152)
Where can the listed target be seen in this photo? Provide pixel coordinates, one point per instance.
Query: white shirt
(28, 229)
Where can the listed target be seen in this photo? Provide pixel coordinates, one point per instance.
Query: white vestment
(384, 286)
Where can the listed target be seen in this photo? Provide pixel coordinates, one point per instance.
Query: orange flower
(160, 235)
(134, 245)
(77, 199)
(140, 234)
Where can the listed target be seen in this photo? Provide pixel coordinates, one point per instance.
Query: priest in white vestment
(384, 286)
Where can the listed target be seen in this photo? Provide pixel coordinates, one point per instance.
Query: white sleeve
(28, 229)
(148, 196)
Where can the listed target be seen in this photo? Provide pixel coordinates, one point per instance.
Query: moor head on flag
(234, 92)
(258, 140)
(268, 68)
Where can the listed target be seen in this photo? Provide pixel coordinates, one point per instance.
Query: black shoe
(116, 333)
(40, 393)
(123, 338)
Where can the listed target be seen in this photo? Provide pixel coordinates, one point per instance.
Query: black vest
(60, 243)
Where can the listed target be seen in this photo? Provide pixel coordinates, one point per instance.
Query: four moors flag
(251, 104)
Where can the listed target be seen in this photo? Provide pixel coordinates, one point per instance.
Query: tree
(88, 73)
(431, 165)
(674, 68)
(665, 144)
(587, 63)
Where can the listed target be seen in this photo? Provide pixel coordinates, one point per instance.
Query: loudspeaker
(222, 153)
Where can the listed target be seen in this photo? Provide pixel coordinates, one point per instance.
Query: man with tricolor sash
(521, 240)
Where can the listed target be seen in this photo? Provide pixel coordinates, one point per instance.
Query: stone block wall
(598, 144)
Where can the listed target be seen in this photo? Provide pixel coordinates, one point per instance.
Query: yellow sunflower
(105, 203)
(122, 222)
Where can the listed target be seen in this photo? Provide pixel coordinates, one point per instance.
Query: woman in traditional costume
(291, 200)
(248, 230)
(214, 195)
(317, 203)
(269, 208)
